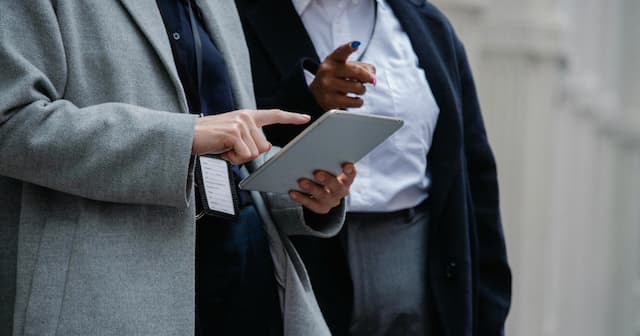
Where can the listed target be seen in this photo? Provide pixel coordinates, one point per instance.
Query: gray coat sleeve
(109, 152)
(289, 215)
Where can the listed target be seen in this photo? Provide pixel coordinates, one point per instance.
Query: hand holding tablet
(336, 138)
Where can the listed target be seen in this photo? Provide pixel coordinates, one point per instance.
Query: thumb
(344, 51)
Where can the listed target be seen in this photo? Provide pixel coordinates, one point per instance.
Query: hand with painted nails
(325, 191)
(337, 77)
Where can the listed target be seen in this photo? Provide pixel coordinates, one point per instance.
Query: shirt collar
(301, 5)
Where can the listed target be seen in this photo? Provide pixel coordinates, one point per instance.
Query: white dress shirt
(394, 175)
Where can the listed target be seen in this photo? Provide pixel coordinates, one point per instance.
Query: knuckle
(232, 135)
(233, 159)
(244, 158)
(324, 68)
(239, 122)
(325, 82)
(236, 128)
(244, 115)
(263, 147)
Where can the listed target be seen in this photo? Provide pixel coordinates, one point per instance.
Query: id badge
(214, 178)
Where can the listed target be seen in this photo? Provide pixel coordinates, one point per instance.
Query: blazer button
(451, 270)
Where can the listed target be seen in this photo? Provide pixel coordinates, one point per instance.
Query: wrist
(197, 129)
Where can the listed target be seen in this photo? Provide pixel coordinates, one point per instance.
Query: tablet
(335, 138)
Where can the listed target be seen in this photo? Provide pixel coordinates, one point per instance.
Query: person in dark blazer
(422, 251)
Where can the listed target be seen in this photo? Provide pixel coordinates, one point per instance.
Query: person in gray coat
(97, 155)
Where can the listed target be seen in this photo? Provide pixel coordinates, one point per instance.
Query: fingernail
(349, 170)
(374, 80)
(321, 177)
(355, 44)
(305, 118)
(293, 195)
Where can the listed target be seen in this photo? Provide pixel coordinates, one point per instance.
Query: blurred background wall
(559, 83)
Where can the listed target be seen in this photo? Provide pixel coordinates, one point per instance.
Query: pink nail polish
(374, 80)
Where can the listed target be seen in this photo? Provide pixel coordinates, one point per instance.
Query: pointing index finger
(344, 51)
(269, 117)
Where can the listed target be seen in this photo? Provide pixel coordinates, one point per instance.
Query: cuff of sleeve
(291, 218)
(328, 224)
(173, 182)
(293, 221)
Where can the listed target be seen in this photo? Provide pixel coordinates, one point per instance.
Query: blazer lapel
(221, 20)
(147, 16)
(277, 25)
(428, 39)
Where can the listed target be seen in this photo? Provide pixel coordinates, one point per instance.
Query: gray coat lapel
(223, 24)
(147, 15)
(219, 17)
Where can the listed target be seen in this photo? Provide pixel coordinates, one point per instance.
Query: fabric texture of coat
(96, 187)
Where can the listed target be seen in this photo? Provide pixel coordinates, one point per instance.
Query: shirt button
(451, 270)
(176, 36)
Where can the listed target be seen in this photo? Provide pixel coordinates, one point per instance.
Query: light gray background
(559, 82)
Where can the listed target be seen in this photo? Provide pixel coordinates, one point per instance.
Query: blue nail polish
(355, 44)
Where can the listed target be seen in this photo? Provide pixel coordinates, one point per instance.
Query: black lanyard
(373, 30)
(197, 46)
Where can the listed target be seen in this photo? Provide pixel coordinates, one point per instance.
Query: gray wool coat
(96, 218)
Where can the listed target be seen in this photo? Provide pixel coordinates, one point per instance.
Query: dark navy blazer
(468, 274)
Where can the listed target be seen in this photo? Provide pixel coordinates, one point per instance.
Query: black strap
(373, 30)
(197, 44)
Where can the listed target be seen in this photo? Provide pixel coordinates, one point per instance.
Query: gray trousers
(387, 256)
